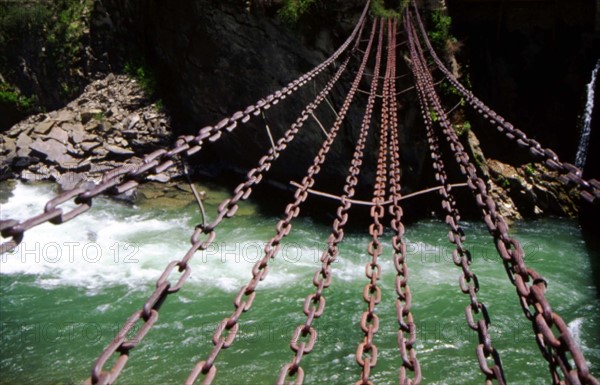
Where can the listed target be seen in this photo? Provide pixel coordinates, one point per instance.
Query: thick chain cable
(556, 350)
(590, 189)
(127, 177)
(226, 209)
(247, 293)
(314, 304)
(468, 281)
(366, 352)
(407, 330)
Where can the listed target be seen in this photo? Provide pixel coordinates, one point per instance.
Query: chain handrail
(468, 281)
(247, 293)
(531, 296)
(314, 304)
(590, 189)
(406, 324)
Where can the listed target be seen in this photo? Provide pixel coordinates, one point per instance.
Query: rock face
(530, 191)
(216, 58)
(111, 121)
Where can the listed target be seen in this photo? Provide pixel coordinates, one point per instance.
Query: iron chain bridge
(382, 43)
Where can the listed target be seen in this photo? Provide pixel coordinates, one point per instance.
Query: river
(67, 290)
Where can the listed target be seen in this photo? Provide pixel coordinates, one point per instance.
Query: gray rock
(99, 152)
(133, 120)
(24, 141)
(86, 116)
(50, 149)
(7, 145)
(59, 135)
(44, 127)
(87, 146)
(77, 132)
(118, 150)
(65, 116)
(70, 180)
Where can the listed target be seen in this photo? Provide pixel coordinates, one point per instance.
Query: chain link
(406, 324)
(260, 270)
(556, 350)
(369, 321)
(314, 304)
(469, 284)
(149, 313)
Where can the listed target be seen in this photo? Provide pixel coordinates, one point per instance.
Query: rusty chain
(149, 314)
(314, 304)
(468, 281)
(226, 209)
(590, 189)
(247, 293)
(406, 324)
(366, 353)
(127, 177)
(556, 350)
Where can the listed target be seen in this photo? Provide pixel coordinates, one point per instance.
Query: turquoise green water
(69, 288)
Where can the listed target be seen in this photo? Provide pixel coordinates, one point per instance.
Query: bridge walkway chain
(559, 350)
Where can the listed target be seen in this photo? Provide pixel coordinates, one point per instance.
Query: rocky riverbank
(110, 123)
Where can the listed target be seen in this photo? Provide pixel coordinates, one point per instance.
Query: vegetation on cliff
(42, 46)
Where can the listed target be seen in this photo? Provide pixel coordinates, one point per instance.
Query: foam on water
(128, 246)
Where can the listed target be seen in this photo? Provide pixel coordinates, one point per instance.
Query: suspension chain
(247, 293)
(533, 301)
(314, 305)
(226, 209)
(468, 281)
(366, 352)
(127, 177)
(590, 190)
(406, 324)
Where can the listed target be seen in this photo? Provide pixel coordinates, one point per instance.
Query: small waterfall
(587, 121)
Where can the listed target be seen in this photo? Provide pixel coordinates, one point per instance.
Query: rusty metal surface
(461, 256)
(247, 293)
(562, 352)
(407, 330)
(314, 304)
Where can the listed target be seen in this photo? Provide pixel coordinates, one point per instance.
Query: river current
(66, 291)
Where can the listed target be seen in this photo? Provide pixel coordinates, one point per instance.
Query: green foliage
(48, 36)
(502, 182)
(379, 10)
(9, 95)
(439, 34)
(292, 10)
(433, 116)
(146, 77)
(462, 129)
(530, 169)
